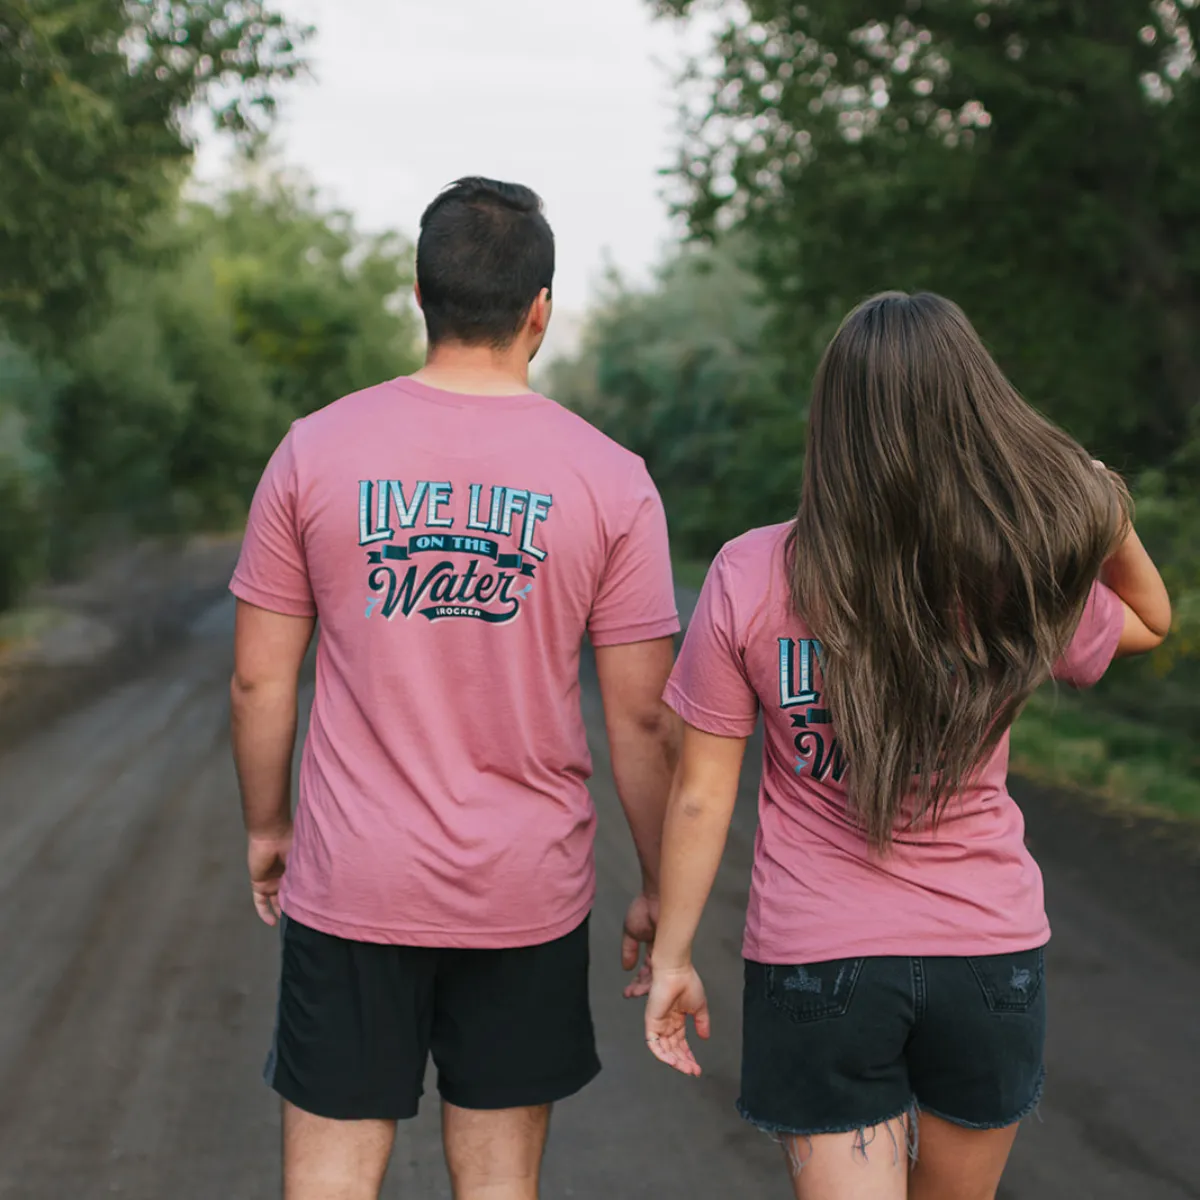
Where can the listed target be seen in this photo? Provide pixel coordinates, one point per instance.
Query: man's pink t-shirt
(456, 550)
(967, 887)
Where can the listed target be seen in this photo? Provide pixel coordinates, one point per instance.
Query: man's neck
(476, 370)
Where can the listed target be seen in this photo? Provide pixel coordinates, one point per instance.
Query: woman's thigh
(957, 1163)
(868, 1164)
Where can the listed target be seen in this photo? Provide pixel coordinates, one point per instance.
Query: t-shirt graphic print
(423, 573)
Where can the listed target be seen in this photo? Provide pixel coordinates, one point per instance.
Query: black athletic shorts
(358, 1021)
(837, 1046)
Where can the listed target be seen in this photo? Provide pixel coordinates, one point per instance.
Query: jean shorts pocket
(816, 991)
(1011, 983)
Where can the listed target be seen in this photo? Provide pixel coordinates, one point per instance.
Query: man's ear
(539, 314)
(417, 294)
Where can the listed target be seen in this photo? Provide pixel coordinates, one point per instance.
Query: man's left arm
(632, 627)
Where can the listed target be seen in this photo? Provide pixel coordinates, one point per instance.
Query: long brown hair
(947, 540)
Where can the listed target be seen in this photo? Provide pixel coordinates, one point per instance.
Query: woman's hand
(674, 995)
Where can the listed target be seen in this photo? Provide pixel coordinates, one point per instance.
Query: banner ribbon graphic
(453, 544)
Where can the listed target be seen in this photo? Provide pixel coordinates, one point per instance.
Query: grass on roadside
(1061, 740)
(19, 626)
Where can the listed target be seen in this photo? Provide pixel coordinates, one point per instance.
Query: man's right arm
(643, 737)
(269, 649)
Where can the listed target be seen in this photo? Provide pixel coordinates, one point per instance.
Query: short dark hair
(485, 253)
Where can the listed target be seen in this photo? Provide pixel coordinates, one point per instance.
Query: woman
(952, 551)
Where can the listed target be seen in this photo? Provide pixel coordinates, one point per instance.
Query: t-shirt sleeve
(636, 598)
(708, 687)
(272, 572)
(1091, 650)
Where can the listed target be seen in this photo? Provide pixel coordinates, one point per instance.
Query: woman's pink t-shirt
(967, 887)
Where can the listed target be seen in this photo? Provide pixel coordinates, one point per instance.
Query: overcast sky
(573, 97)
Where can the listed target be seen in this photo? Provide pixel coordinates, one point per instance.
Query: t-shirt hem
(916, 947)
(645, 632)
(261, 598)
(700, 718)
(442, 939)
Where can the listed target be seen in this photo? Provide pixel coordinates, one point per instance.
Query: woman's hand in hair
(676, 994)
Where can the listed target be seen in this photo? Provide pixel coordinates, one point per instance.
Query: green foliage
(168, 344)
(1168, 521)
(1167, 683)
(690, 573)
(323, 308)
(1062, 740)
(678, 374)
(256, 310)
(1038, 161)
(93, 137)
(158, 416)
(24, 476)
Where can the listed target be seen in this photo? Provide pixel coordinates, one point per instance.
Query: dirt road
(136, 989)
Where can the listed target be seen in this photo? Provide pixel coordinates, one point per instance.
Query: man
(457, 536)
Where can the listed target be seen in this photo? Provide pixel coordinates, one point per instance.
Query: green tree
(94, 100)
(25, 475)
(167, 343)
(253, 310)
(678, 373)
(323, 308)
(1037, 160)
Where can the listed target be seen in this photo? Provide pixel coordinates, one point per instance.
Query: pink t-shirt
(969, 887)
(456, 550)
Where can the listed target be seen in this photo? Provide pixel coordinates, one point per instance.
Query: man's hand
(267, 858)
(641, 921)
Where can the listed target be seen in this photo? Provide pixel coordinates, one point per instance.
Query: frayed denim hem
(1028, 1110)
(787, 1136)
